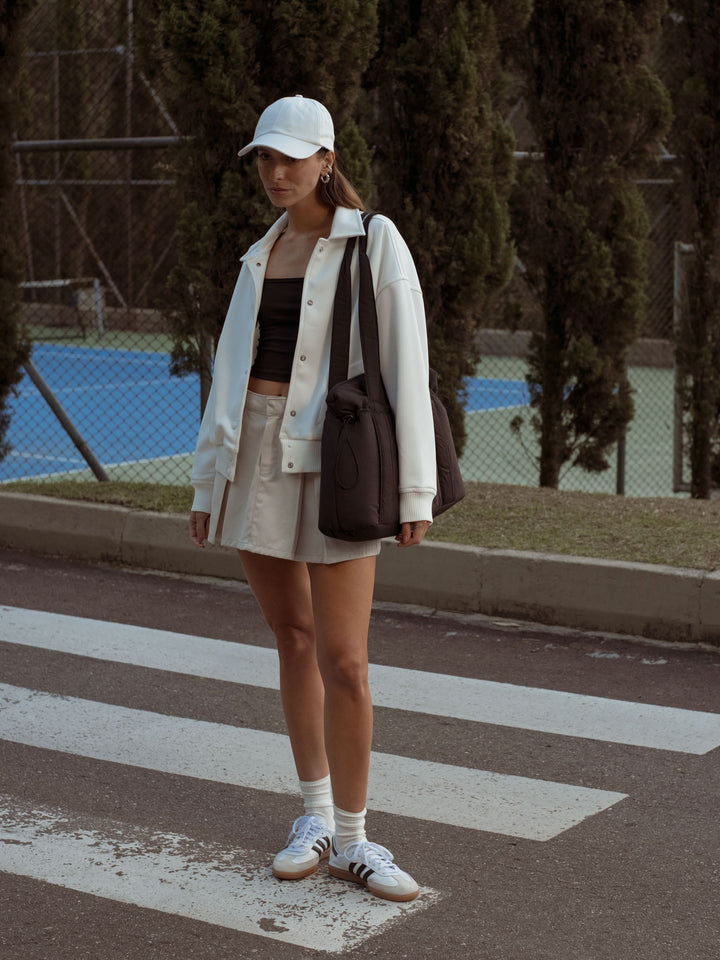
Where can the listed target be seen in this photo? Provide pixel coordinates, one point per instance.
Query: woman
(256, 475)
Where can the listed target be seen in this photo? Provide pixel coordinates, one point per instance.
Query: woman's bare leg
(282, 588)
(342, 600)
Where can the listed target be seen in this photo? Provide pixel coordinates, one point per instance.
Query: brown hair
(338, 191)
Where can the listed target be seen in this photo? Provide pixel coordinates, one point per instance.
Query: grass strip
(676, 532)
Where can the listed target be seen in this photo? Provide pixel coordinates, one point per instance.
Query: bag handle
(342, 310)
(367, 315)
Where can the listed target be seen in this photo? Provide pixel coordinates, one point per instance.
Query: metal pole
(99, 309)
(95, 143)
(679, 251)
(56, 166)
(129, 58)
(65, 421)
(620, 466)
(25, 221)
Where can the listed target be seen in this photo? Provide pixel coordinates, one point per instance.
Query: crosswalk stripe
(475, 799)
(191, 878)
(483, 701)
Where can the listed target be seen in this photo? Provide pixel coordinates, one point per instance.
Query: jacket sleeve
(220, 418)
(203, 469)
(404, 365)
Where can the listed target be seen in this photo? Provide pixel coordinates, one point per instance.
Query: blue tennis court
(124, 403)
(485, 393)
(130, 411)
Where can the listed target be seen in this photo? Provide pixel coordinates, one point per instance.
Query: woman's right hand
(199, 526)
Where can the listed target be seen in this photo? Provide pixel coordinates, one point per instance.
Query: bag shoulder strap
(342, 312)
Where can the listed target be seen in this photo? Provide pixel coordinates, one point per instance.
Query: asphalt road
(554, 793)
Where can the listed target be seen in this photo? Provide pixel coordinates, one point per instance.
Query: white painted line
(191, 878)
(482, 701)
(442, 793)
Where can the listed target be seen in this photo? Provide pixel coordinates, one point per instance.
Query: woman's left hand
(412, 533)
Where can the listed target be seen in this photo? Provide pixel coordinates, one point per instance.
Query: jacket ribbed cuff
(203, 497)
(415, 506)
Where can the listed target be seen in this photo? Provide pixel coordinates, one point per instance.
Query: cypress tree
(693, 54)
(14, 350)
(224, 63)
(598, 114)
(209, 81)
(443, 162)
(321, 49)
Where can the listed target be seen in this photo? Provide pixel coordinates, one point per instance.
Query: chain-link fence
(648, 461)
(98, 229)
(98, 241)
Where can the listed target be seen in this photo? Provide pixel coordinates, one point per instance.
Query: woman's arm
(404, 366)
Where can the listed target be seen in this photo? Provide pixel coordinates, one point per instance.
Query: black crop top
(279, 319)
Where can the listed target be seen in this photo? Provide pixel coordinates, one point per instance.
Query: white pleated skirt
(266, 511)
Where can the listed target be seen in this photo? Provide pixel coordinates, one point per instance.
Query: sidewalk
(659, 602)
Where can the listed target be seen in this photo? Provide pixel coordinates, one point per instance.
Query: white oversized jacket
(403, 362)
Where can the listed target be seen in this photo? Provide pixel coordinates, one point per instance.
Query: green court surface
(494, 454)
(110, 340)
(174, 471)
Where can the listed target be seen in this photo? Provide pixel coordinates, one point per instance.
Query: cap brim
(289, 146)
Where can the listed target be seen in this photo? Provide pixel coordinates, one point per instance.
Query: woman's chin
(278, 198)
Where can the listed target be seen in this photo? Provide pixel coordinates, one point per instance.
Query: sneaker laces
(305, 831)
(372, 855)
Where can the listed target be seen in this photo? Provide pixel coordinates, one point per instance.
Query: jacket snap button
(292, 413)
(303, 357)
(310, 303)
(291, 465)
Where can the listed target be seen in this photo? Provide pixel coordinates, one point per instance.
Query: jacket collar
(346, 223)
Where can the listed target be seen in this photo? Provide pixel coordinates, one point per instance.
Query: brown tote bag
(359, 480)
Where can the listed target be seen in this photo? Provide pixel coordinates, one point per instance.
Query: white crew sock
(317, 797)
(349, 828)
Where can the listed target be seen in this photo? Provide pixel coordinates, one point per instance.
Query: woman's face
(288, 181)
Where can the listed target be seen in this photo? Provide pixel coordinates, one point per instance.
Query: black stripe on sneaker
(321, 845)
(361, 870)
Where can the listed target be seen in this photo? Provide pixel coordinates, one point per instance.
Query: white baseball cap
(295, 126)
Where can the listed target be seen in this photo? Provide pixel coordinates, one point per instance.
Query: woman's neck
(311, 220)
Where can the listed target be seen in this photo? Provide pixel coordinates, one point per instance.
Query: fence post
(65, 421)
(680, 249)
(620, 467)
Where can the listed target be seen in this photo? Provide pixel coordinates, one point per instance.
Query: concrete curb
(665, 603)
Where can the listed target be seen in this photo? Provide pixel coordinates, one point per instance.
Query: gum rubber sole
(307, 872)
(382, 894)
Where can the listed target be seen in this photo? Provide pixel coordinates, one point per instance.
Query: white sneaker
(308, 843)
(372, 866)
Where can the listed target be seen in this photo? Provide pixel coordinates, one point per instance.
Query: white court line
(109, 385)
(191, 878)
(463, 698)
(14, 454)
(442, 793)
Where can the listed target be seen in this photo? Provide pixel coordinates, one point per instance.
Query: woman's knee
(295, 641)
(346, 672)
